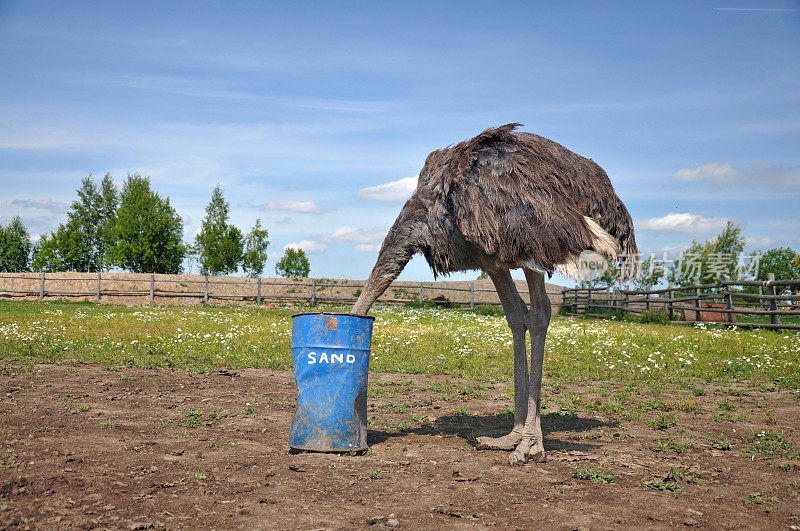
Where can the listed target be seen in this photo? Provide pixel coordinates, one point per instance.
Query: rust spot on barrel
(331, 323)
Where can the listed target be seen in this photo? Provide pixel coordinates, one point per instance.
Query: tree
(84, 217)
(255, 250)
(218, 245)
(107, 204)
(599, 272)
(148, 232)
(783, 262)
(15, 247)
(63, 250)
(81, 244)
(710, 261)
(652, 272)
(293, 264)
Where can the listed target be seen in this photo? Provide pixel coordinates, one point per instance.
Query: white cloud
(713, 171)
(682, 222)
(303, 207)
(55, 207)
(360, 235)
(391, 192)
(766, 241)
(725, 174)
(309, 246)
(368, 247)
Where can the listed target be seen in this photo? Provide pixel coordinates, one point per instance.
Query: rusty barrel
(330, 354)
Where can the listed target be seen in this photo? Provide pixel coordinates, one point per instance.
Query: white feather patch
(590, 263)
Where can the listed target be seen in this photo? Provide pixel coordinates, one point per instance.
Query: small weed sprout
(592, 474)
(375, 474)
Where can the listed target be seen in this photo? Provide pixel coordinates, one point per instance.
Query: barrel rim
(334, 313)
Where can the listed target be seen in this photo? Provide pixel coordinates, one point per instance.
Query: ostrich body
(500, 201)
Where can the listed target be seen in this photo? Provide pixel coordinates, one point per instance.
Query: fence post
(616, 298)
(205, 290)
(421, 297)
(472, 296)
(773, 303)
(313, 291)
(647, 298)
(728, 298)
(258, 299)
(670, 309)
(41, 288)
(98, 286)
(152, 287)
(589, 301)
(698, 307)
(626, 304)
(608, 300)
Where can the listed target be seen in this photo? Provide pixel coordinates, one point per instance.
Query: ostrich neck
(389, 265)
(398, 247)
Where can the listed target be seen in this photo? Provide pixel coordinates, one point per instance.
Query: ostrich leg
(532, 445)
(516, 316)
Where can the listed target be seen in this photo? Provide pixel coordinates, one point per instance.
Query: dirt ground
(88, 446)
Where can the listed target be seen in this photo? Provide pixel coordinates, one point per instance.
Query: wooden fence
(150, 288)
(721, 303)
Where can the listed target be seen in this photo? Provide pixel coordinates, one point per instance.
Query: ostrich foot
(526, 451)
(506, 442)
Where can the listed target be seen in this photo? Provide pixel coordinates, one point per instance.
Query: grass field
(405, 340)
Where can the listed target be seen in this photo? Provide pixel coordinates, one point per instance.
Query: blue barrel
(330, 354)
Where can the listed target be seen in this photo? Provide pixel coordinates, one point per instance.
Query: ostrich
(500, 201)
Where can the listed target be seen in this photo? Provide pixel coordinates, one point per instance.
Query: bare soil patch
(84, 446)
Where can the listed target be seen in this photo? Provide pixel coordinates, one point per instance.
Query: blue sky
(315, 117)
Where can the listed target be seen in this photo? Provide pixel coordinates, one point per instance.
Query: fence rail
(721, 303)
(150, 287)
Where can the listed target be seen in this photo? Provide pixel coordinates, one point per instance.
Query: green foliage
(652, 272)
(293, 264)
(661, 422)
(592, 474)
(654, 317)
(82, 243)
(771, 443)
(616, 314)
(15, 247)
(486, 309)
(148, 232)
(64, 250)
(608, 278)
(720, 442)
(255, 250)
(106, 204)
(710, 261)
(218, 245)
(783, 262)
(646, 317)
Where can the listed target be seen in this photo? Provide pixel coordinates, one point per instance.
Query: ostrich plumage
(500, 201)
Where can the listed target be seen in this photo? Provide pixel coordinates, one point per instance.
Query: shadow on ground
(470, 427)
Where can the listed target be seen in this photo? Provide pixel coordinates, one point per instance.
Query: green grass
(592, 474)
(771, 444)
(405, 340)
(662, 422)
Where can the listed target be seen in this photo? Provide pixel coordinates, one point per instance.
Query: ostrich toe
(506, 442)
